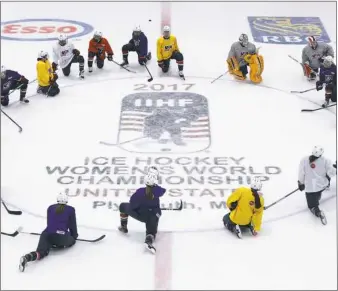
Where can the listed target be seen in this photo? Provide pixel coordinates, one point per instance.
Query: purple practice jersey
(328, 75)
(63, 222)
(9, 81)
(139, 200)
(141, 44)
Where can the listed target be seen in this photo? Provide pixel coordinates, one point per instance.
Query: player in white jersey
(64, 54)
(314, 176)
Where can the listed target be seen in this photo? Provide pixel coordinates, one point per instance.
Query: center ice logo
(43, 29)
(164, 122)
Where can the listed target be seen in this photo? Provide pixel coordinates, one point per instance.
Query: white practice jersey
(313, 55)
(313, 175)
(63, 55)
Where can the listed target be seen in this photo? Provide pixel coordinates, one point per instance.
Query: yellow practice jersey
(166, 47)
(44, 72)
(245, 211)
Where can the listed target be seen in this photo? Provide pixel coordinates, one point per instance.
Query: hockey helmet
(243, 39)
(166, 31)
(256, 184)
(152, 177)
(328, 60)
(43, 55)
(97, 35)
(137, 30)
(3, 72)
(62, 38)
(317, 151)
(312, 41)
(62, 198)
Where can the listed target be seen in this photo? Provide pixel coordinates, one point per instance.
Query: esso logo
(43, 29)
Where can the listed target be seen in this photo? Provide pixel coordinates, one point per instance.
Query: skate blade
(150, 248)
(22, 264)
(323, 219)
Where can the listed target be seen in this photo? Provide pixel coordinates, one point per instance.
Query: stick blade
(92, 240)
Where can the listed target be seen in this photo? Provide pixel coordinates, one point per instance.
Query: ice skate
(149, 243)
(23, 262)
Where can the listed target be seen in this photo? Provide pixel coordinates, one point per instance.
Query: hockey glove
(76, 52)
(23, 80)
(110, 57)
(301, 186)
(319, 86)
(160, 64)
(233, 205)
(54, 66)
(335, 165)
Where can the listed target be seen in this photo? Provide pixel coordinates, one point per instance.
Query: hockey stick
(78, 239)
(303, 91)
(292, 58)
(287, 195)
(20, 128)
(311, 110)
(150, 75)
(117, 144)
(13, 212)
(15, 233)
(20, 86)
(172, 208)
(219, 77)
(123, 67)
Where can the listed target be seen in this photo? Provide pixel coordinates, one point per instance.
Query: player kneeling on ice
(314, 175)
(243, 54)
(45, 76)
(328, 76)
(246, 209)
(313, 55)
(167, 49)
(138, 44)
(65, 54)
(60, 233)
(144, 206)
(11, 80)
(99, 47)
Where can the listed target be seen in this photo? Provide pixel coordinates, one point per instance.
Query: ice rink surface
(248, 131)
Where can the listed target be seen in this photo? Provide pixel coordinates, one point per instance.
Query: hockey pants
(23, 89)
(51, 90)
(99, 60)
(229, 224)
(175, 56)
(130, 47)
(76, 59)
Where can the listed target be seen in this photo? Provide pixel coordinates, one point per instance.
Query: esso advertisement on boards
(43, 29)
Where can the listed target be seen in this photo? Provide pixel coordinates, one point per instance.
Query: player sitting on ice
(12, 80)
(60, 233)
(328, 76)
(246, 209)
(46, 76)
(144, 206)
(313, 55)
(314, 176)
(167, 49)
(65, 54)
(99, 47)
(138, 44)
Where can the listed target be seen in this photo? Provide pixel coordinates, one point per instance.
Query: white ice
(265, 126)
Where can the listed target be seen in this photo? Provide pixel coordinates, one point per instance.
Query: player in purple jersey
(328, 76)
(144, 206)
(11, 80)
(60, 233)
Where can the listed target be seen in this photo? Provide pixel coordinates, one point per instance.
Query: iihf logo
(164, 122)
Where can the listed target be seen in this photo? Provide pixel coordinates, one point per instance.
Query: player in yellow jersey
(46, 76)
(167, 49)
(246, 209)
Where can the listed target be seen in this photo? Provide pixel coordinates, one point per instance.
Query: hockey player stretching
(243, 54)
(314, 176)
(246, 209)
(313, 55)
(167, 49)
(60, 233)
(144, 206)
(11, 80)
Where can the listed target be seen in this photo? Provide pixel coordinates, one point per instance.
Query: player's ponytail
(257, 199)
(149, 192)
(60, 208)
(312, 158)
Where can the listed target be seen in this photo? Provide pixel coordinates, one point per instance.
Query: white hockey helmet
(43, 55)
(256, 184)
(317, 151)
(328, 61)
(3, 72)
(152, 177)
(62, 38)
(243, 39)
(97, 35)
(137, 28)
(62, 198)
(166, 31)
(312, 41)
